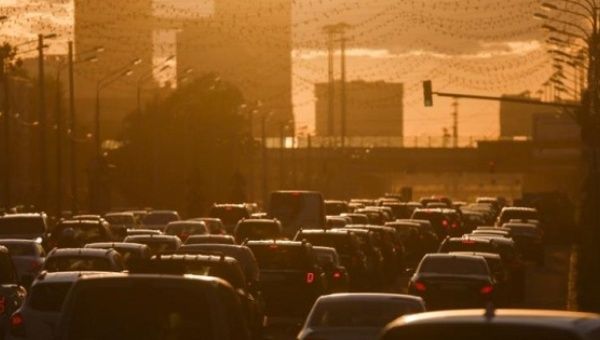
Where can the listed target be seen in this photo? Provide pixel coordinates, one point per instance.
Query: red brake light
(337, 275)
(310, 278)
(296, 194)
(487, 289)
(420, 286)
(273, 246)
(2, 304)
(468, 242)
(454, 225)
(16, 320)
(445, 223)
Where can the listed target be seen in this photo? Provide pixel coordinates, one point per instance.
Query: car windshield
(22, 249)
(21, 225)
(141, 311)
(120, 219)
(356, 314)
(49, 297)
(159, 218)
(277, 257)
(453, 266)
(76, 263)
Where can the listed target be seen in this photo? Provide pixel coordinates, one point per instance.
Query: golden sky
(476, 46)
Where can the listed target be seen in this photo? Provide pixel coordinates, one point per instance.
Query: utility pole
(281, 155)
(59, 134)
(72, 141)
(330, 30)
(455, 123)
(43, 125)
(265, 171)
(7, 129)
(343, 98)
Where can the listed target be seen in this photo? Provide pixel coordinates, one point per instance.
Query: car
(357, 218)
(30, 226)
(185, 229)
(131, 252)
(229, 214)
(136, 232)
(38, 317)
(412, 236)
(453, 281)
(495, 324)
(400, 210)
(241, 253)
(337, 276)
(336, 207)
(215, 225)
(123, 219)
(356, 316)
(12, 293)
(332, 222)
(77, 233)
(473, 219)
(253, 229)
(128, 306)
(159, 244)
(210, 239)
(83, 259)
(158, 219)
(28, 257)
(430, 237)
(517, 213)
(445, 222)
(376, 216)
(349, 248)
(221, 266)
(297, 209)
(500, 274)
(290, 275)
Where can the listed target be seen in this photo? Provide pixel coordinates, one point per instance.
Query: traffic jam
(301, 268)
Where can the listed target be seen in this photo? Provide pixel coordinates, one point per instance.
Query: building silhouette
(374, 109)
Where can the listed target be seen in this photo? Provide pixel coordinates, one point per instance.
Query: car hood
(342, 333)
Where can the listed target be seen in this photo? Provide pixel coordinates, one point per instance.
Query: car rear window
(469, 246)
(453, 266)
(449, 331)
(361, 313)
(146, 310)
(22, 249)
(120, 219)
(49, 297)
(341, 242)
(21, 225)
(159, 218)
(508, 215)
(186, 229)
(277, 257)
(76, 263)
(257, 231)
(229, 215)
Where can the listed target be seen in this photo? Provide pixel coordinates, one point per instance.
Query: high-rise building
(125, 30)
(374, 109)
(249, 44)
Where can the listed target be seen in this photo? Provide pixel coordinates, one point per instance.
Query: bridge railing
(378, 142)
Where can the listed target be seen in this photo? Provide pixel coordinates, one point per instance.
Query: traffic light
(428, 93)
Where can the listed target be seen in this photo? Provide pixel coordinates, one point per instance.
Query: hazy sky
(475, 46)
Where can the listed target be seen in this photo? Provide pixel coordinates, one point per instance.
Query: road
(546, 288)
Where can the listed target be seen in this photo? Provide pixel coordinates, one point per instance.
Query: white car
(495, 324)
(356, 316)
(39, 315)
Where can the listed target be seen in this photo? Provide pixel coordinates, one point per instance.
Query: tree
(183, 148)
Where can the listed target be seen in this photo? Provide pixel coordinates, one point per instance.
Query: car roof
(259, 220)
(186, 222)
(324, 231)
(277, 242)
(157, 238)
(452, 256)
(519, 209)
(62, 277)
(196, 258)
(471, 239)
(206, 280)
(541, 318)
(17, 241)
(80, 252)
(370, 227)
(122, 213)
(325, 249)
(480, 254)
(23, 215)
(358, 297)
(235, 247)
(120, 245)
(211, 236)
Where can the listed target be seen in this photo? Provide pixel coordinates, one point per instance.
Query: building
(374, 109)
(125, 30)
(247, 43)
(516, 119)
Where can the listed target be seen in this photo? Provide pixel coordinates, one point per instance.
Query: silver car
(39, 315)
(27, 256)
(356, 316)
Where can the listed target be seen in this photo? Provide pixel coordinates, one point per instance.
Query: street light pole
(7, 129)
(72, 128)
(43, 125)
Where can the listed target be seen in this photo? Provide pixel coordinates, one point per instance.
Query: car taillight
(17, 325)
(454, 225)
(420, 286)
(487, 290)
(310, 278)
(337, 275)
(445, 223)
(2, 304)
